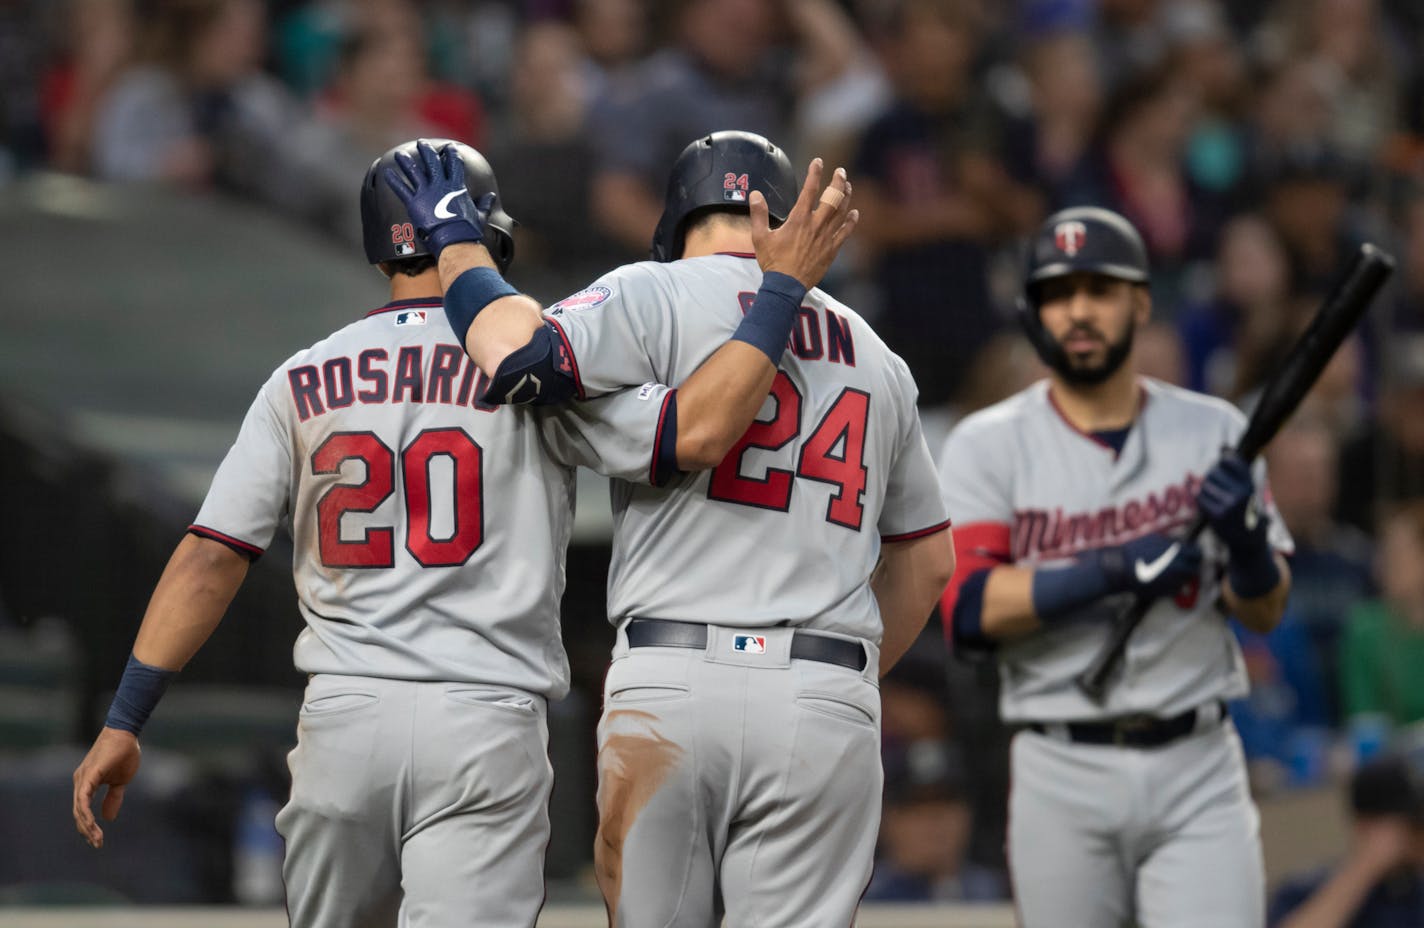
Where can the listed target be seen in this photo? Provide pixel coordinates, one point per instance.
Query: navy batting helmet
(385, 225)
(1077, 240)
(719, 171)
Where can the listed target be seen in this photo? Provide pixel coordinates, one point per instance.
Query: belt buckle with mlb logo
(749, 644)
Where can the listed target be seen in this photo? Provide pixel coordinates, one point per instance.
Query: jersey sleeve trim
(978, 546)
(664, 463)
(573, 359)
(241, 547)
(919, 533)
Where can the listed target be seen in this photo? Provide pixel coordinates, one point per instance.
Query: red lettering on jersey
(336, 379)
(409, 380)
(443, 365)
(367, 370)
(838, 340)
(818, 334)
(306, 385)
(806, 335)
(1041, 534)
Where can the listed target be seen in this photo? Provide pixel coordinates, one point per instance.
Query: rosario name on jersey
(429, 528)
(787, 529)
(1026, 487)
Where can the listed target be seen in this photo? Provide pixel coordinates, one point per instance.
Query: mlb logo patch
(411, 317)
(749, 644)
(735, 187)
(404, 249)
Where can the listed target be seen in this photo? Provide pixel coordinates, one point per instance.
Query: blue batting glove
(1228, 500)
(1151, 566)
(433, 191)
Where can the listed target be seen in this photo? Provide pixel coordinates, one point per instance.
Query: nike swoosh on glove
(1153, 566)
(434, 193)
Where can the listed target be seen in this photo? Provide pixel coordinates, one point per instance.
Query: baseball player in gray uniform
(429, 531)
(739, 764)
(1066, 498)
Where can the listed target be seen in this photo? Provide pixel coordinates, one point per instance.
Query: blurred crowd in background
(1255, 143)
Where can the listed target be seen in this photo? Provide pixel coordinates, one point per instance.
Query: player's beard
(1090, 375)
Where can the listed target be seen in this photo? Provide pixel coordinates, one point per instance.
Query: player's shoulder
(622, 284)
(1007, 416)
(867, 341)
(1179, 404)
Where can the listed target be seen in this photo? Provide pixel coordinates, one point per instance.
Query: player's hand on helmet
(434, 193)
(1152, 566)
(1227, 499)
(818, 225)
(112, 761)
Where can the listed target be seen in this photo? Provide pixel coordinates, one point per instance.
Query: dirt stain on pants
(631, 768)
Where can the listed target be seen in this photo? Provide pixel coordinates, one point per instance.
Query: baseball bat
(1287, 386)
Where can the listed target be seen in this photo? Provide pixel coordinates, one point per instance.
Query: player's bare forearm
(195, 590)
(1008, 604)
(502, 327)
(908, 580)
(1260, 613)
(717, 404)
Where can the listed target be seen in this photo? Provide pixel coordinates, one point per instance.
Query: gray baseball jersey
(429, 533)
(837, 455)
(712, 759)
(429, 528)
(1025, 487)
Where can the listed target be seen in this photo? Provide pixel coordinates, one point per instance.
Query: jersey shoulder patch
(587, 298)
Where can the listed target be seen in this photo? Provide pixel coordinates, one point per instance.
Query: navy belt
(1133, 731)
(805, 646)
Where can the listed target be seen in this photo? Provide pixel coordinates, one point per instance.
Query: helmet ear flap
(1026, 311)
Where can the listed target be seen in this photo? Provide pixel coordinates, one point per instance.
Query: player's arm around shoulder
(195, 590)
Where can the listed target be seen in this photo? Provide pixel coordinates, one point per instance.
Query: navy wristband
(967, 620)
(1057, 591)
(1254, 574)
(471, 292)
(139, 691)
(767, 324)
